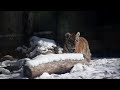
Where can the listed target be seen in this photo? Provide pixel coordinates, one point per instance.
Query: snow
(38, 46)
(54, 57)
(97, 69)
(41, 50)
(42, 42)
(45, 74)
(80, 67)
(4, 71)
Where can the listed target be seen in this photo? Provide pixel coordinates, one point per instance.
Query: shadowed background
(99, 27)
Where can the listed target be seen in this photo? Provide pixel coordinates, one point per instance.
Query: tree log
(51, 63)
(56, 67)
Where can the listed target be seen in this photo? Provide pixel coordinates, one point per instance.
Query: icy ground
(97, 69)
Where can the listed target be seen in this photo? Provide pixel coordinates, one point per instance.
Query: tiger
(74, 43)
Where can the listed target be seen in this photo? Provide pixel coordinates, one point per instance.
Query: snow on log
(51, 63)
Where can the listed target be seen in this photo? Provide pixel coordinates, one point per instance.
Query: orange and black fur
(76, 44)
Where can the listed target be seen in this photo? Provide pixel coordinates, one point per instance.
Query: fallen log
(52, 63)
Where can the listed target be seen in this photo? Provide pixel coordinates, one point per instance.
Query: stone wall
(11, 30)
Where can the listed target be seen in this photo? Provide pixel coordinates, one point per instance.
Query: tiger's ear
(67, 35)
(78, 34)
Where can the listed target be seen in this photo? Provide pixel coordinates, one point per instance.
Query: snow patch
(42, 42)
(38, 46)
(81, 67)
(45, 75)
(54, 57)
(4, 71)
(77, 67)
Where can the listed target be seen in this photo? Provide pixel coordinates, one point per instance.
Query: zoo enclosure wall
(99, 27)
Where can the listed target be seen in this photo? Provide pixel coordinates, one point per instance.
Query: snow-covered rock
(4, 71)
(42, 42)
(38, 46)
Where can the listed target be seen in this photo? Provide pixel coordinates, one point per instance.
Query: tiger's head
(70, 41)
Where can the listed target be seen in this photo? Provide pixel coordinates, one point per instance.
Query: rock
(4, 71)
(58, 50)
(7, 57)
